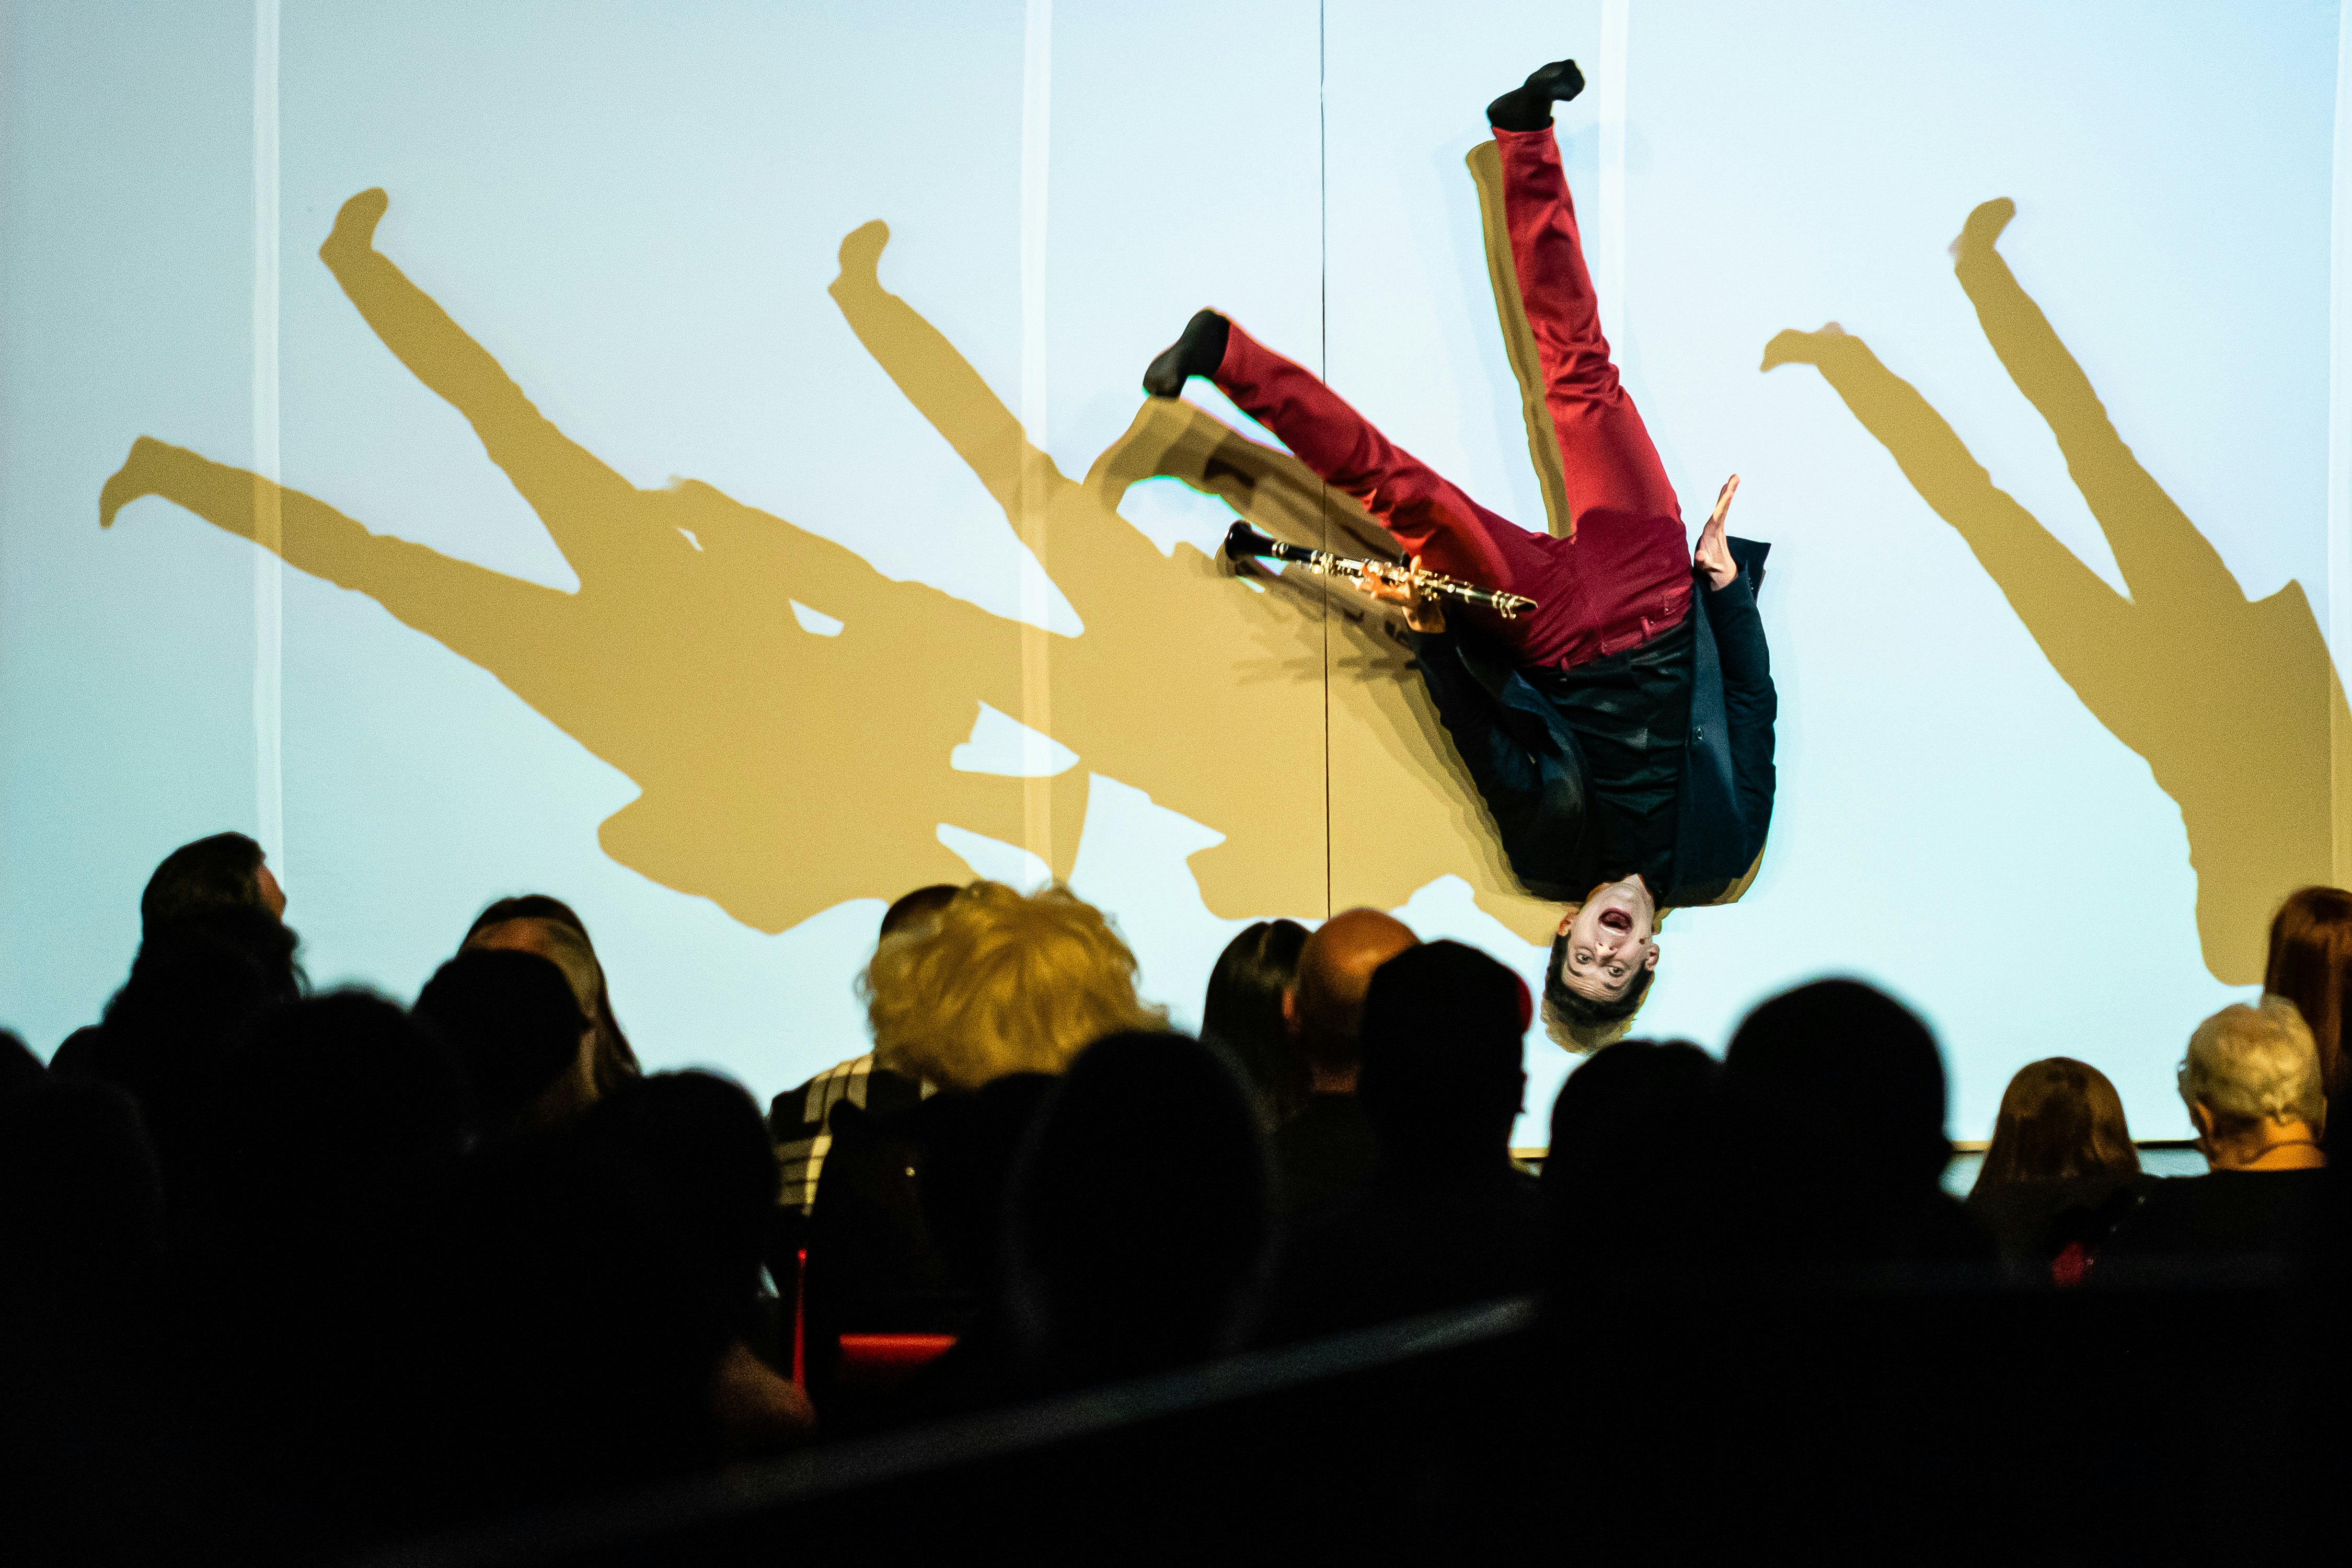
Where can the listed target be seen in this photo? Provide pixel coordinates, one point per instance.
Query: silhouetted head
(2060, 1120)
(516, 1026)
(1632, 1180)
(696, 1151)
(534, 923)
(999, 982)
(1325, 1006)
(2311, 966)
(1604, 955)
(209, 968)
(335, 1116)
(971, 1145)
(196, 980)
(909, 911)
(1442, 1082)
(1840, 1091)
(226, 870)
(1241, 1014)
(1139, 1217)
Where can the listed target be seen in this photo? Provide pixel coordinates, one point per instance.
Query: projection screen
(709, 482)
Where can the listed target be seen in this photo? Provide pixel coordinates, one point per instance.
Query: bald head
(1326, 1002)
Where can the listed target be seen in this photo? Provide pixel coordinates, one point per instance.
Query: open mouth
(1617, 920)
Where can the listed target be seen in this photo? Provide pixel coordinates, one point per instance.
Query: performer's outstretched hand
(1713, 556)
(1421, 613)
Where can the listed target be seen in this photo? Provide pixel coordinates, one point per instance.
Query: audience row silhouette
(297, 1271)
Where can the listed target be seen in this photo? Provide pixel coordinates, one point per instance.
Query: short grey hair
(2255, 1063)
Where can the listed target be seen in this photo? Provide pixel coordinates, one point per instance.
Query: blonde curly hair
(1000, 982)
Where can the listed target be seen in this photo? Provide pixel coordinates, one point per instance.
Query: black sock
(1199, 352)
(1527, 107)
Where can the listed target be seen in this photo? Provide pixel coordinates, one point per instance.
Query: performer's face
(1609, 940)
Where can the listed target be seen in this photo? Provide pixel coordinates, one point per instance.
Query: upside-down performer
(1623, 743)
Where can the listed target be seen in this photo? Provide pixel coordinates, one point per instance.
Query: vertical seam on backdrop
(1036, 485)
(2339, 438)
(269, 522)
(1323, 334)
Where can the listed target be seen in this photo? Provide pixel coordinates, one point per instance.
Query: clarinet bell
(1242, 539)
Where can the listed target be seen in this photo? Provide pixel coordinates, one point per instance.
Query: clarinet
(1242, 539)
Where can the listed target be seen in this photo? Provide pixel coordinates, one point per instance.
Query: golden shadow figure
(2234, 704)
(781, 772)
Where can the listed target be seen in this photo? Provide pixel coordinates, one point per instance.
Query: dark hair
(1838, 1054)
(1839, 1090)
(2060, 1119)
(1582, 1011)
(1444, 1033)
(970, 1144)
(616, 1058)
(1138, 1220)
(2310, 961)
(513, 1024)
(697, 1166)
(208, 970)
(1632, 1187)
(1242, 1015)
(223, 871)
(336, 1105)
(920, 904)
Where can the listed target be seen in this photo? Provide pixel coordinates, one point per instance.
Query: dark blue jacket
(1524, 757)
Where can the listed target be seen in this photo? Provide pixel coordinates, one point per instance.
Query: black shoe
(1199, 352)
(1527, 107)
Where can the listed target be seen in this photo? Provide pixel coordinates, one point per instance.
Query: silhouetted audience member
(333, 1137)
(2310, 964)
(534, 923)
(2251, 1080)
(996, 982)
(224, 871)
(1839, 1090)
(86, 1438)
(2060, 1172)
(166, 1033)
(227, 870)
(1140, 1227)
(528, 1051)
(605, 1273)
(1241, 1016)
(799, 1119)
(967, 1146)
(1634, 1180)
(1325, 1153)
(1448, 1220)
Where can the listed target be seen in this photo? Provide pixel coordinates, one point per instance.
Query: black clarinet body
(1243, 540)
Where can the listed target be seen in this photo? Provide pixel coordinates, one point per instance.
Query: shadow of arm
(2161, 553)
(940, 382)
(2068, 610)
